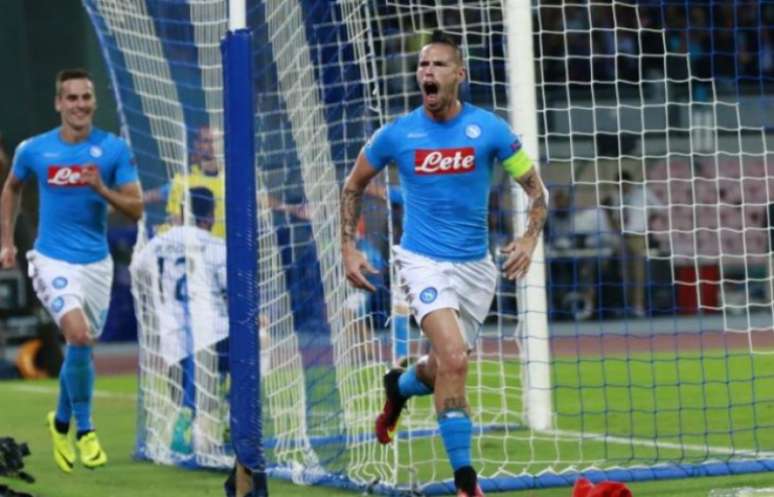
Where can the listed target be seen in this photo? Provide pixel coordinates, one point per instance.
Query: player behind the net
(188, 266)
(445, 151)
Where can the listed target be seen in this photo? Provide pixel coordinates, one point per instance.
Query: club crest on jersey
(57, 304)
(444, 161)
(95, 151)
(472, 131)
(66, 175)
(428, 295)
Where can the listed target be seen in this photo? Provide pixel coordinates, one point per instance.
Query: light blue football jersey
(73, 217)
(445, 172)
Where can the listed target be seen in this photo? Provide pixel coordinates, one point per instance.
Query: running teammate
(80, 171)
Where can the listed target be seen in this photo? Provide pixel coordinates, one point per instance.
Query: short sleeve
(126, 167)
(379, 148)
(142, 260)
(216, 260)
(506, 142)
(509, 151)
(22, 163)
(175, 198)
(221, 276)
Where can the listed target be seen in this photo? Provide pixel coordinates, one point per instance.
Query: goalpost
(629, 352)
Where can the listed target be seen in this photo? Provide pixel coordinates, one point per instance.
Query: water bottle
(742, 492)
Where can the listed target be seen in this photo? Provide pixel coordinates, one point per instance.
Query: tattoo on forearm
(537, 215)
(350, 213)
(538, 208)
(455, 403)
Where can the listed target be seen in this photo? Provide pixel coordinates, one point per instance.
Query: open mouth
(430, 88)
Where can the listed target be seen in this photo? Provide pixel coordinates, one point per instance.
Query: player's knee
(77, 334)
(75, 327)
(79, 337)
(455, 362)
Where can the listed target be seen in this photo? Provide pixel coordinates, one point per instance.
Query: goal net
(637, 347)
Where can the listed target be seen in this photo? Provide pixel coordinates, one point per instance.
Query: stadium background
(43, 36)
(58, 34)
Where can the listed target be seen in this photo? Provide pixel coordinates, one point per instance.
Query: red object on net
(584, 488)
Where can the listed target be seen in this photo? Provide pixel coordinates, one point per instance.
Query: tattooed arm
(538, 208)
(519, 251)
(351, 202)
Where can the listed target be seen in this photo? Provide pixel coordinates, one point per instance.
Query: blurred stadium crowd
(728, 41)
(610, 46)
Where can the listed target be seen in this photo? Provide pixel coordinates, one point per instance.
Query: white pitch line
(566, 433)
(54, 391)
(663, 445)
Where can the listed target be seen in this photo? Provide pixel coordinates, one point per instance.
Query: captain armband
(518, 164)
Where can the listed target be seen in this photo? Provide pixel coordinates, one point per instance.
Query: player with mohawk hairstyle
(445, 152)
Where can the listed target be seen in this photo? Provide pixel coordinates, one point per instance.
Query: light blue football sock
(410, 385)
(64, 410)
(78, 372)
(457, 434)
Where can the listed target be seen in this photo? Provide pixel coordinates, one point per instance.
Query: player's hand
(519, 254)
(354, 265)
(8, 257)
(90, 175)
(301, 211)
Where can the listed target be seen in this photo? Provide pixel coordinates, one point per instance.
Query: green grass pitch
(703, 381)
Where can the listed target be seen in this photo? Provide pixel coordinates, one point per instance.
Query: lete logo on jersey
(444, 161)
(67, 176)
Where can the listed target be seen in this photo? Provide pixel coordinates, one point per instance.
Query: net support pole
(237, 15)
(536, 368)
(242, 250)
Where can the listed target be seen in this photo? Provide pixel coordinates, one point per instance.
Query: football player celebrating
(80, 170)
(445, 152)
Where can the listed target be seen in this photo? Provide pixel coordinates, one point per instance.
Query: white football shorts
(467, 287)
(62, 286)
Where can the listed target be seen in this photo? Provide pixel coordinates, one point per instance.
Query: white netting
(638, 379)
(658, 158)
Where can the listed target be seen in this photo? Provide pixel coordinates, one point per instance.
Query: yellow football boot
(92, 455)
(64, 452)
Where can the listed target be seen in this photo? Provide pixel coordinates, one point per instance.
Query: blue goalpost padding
(242, 246)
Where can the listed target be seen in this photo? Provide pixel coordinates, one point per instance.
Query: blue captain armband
(518, 164)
